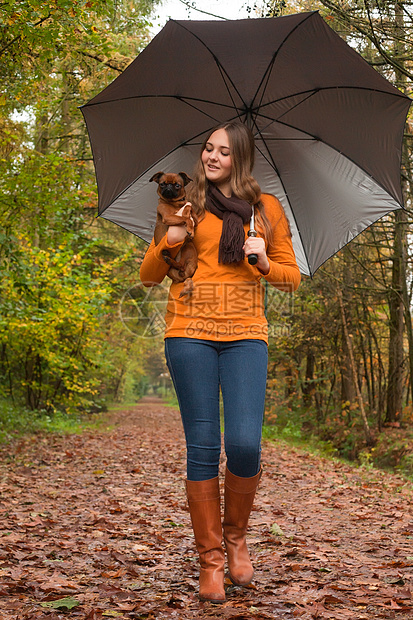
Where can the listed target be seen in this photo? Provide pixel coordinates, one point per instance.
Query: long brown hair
(243, 184)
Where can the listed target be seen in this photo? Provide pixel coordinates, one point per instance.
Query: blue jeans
(198, 368)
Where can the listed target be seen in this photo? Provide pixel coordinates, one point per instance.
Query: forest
(78, 333)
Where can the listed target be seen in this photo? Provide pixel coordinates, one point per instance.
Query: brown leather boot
(239, 497)
(205, 508)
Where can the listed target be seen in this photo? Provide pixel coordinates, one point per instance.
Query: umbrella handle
(252, 258)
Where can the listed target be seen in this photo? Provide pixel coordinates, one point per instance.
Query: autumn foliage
(76, 330)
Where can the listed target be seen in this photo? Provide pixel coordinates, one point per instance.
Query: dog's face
(171, 186)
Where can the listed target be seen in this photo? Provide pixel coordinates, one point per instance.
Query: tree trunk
(397, 296)
(396, 324)
(308, 385)
(347, 336)
(348, 393)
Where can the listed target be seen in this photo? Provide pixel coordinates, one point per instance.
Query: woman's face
(216, 159)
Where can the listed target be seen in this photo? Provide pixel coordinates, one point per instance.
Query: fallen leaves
(96, 526)
(61, 603)
(276, 530)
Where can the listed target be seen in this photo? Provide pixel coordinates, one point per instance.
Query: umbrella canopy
(328, 127)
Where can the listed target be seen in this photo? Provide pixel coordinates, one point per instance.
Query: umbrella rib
(258, 112)
(191, 105)
(220, 67)
(270, 67)
(308, 93)
(185, 143)
(222, 72)
(315, 91)
(272, 163)
(179, 97)
(331, 146)
(355, 237)
(317, 138)
(268, 73)
(254, 108)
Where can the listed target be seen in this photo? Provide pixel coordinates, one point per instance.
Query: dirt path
(101, 519)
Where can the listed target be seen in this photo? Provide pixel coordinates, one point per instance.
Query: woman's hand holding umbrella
(256, 245)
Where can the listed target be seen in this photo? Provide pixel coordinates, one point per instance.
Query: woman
(217, 338)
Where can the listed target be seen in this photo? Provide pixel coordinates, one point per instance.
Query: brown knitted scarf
(233, 212)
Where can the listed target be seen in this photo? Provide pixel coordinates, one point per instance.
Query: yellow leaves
(13, 18)
(77, 259)
(51, 321)
(276, 530)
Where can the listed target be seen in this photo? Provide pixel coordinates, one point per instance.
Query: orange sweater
(228, 300)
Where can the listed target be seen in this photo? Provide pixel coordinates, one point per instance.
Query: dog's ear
(186, 179)
(156, 177)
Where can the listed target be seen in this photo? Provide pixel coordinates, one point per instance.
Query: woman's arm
(256, 245)
(154, 268)
(277, 264)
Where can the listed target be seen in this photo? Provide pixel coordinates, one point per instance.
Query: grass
(295, 438)
(17, 421)
(392, 450)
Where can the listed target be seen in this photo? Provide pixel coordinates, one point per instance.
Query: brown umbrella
(328, 127)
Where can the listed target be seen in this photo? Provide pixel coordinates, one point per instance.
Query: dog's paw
(166, 256)
(188, 288)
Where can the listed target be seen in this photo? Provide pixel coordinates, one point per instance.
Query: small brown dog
(171, 190)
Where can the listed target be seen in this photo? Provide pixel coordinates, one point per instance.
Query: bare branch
(369, 35)
(13, 41)
(107, 63)
(194, 8)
